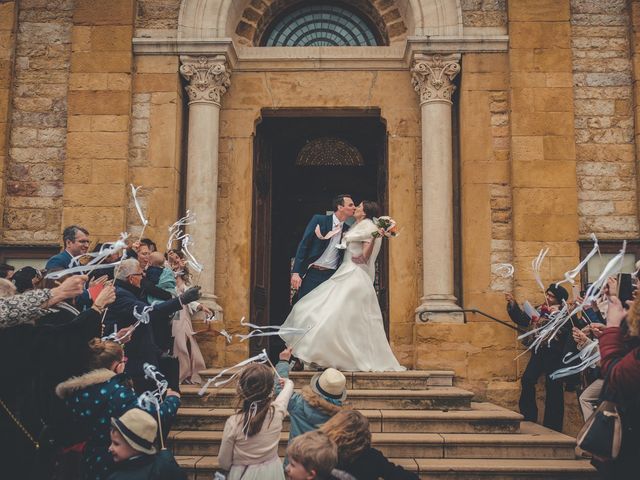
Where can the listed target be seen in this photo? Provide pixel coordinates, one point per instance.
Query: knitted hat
(138, 428)
(330, 384)
(559, 292)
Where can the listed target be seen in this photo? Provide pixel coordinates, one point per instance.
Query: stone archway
(207, 19)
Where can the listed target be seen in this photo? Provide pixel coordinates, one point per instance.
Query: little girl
(249, 448)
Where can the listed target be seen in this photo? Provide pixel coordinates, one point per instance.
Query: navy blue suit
(310, 249)
(61, 260)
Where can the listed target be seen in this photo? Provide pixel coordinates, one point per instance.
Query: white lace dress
(346, 332)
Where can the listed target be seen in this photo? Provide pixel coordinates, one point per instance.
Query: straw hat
(138, 428)
(330, 384)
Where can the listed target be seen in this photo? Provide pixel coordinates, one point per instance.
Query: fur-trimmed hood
(72, 385)
(319, 403)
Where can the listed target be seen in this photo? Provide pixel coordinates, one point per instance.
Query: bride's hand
(360, 260)
(296, 281)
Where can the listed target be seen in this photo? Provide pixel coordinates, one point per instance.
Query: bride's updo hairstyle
(371, 209)
(255, 391)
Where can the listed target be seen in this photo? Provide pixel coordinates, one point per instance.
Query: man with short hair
(142, 348)
(317, 257)
(6, 270)
(76, 242)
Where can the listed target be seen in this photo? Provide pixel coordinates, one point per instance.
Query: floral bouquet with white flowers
(387, 227)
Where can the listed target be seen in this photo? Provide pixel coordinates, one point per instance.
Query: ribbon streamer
(80, 269)
(152, 373)
(505, 270)
(590, 356)
(175, 230)
(262, 357)
(536, 264)
(193, 263)
(569, 277)
(134, 194)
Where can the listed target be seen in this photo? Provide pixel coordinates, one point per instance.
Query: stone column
(432, 77)
(209, 78)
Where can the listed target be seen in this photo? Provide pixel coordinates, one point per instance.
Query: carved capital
(432, 77)
(209, 79)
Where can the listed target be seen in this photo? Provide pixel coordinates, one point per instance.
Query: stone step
(407, 380)
(203, 467)
(482, 418)
(435, 398)
(533, 441)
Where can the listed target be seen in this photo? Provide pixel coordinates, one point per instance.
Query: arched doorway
(292, 183)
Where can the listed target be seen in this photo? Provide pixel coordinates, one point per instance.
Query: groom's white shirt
(330, 256)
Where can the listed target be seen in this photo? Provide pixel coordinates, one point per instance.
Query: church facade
(488, 129)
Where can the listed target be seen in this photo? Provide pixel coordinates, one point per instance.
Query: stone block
(107, 171)
(528, 79)
(485, 81)
(88, 81)
(544, 174)
(111, 38)
(485, 62)
(80, 39)
(527, 148)
(157, 64)
(552, 60)
(539, 11)
(432, 358)
(485, 172)
(559, 148)
(119, 81)
(492, 364)
(88, 62)
(164, 135)
(559, 79)
(7, 15)
(99, 102)
(553, 99)
(156, 82)
(106, 222)
(97, 145)
(114, 12)
(476, 218)
(238, 123)
(540, 200)
(109, 123)
(545, 227)
(542, 123)
(92, 195)
(540, 35)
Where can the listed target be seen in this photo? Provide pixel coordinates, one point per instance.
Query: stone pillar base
(439, 312)
(210, 301)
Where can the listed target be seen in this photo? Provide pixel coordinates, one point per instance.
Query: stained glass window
(320, 25)
(329, 152)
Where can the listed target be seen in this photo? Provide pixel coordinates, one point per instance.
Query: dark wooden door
(261, 238)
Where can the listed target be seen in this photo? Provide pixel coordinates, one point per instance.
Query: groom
(317, 257)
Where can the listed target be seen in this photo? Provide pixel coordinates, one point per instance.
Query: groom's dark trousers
(312, 279)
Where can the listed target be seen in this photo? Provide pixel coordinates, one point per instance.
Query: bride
(342, 315)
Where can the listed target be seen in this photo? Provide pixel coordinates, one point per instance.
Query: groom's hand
(296, 281)
(360, 260)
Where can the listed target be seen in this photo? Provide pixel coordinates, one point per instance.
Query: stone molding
(432, 77)
(208, 77)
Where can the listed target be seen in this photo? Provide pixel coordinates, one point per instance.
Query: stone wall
(34, 174)
(483, 14)
(157, 18)
(604, 123)
(7, 52)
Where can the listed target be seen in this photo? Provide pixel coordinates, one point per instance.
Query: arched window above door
(330, 25)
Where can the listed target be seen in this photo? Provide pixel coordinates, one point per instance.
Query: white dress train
(343, 315)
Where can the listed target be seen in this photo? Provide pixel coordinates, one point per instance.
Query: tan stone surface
(114, 12)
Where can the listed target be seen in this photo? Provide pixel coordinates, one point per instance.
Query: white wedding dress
(342, 315)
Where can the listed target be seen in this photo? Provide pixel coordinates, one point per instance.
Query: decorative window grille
(329, 152)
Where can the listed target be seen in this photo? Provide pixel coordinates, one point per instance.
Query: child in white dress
(249, 447)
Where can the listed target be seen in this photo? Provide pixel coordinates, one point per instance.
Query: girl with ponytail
(249, 448)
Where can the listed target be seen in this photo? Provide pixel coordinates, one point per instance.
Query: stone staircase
(419, 419)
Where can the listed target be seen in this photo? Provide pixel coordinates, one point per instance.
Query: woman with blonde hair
(349, 429)
(249, 447)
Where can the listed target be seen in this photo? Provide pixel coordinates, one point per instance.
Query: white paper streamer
(80, 269)
(152, 373)
(262, 357)
(589, 356)
(612, 269)
(569, 277)
(175, 231)
(505, 270)
(191, 260)
(536, 264)
(226, 335)
(134, 194)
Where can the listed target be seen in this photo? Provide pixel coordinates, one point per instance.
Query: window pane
(598, 262)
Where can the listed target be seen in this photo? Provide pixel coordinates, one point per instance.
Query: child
(249, 447)
(318, 401)
(311, 456)
(160, 276)
(350, 430)
(134, 453)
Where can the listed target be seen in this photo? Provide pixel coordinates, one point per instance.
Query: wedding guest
(102, 393)
(620, 352)
(134, 453)
(312, 456)
(249, 447)
(26, 279)
(6, 270)
(7, 288)
(544, 361)
(349, 429)
(76, 242)
(317, 402)
(185, 346)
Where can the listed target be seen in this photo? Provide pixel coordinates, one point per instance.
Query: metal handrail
(470, 310)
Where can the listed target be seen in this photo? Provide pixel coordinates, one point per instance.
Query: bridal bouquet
(387, 227)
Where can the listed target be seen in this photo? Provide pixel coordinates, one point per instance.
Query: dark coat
(142, 347)
(61, 260)
(311, 247)
(161, 466)
(95, 398)
(371, 464)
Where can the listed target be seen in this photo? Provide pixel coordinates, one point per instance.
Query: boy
(312, 456)
(133, 450)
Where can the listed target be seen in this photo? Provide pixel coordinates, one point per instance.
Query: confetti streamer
(569, 277)
(175, 231)
(193, 263)
(535, 266)
(505, 270)
(262, 357)
(134, 194)
(259, 330)
(589, 356)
